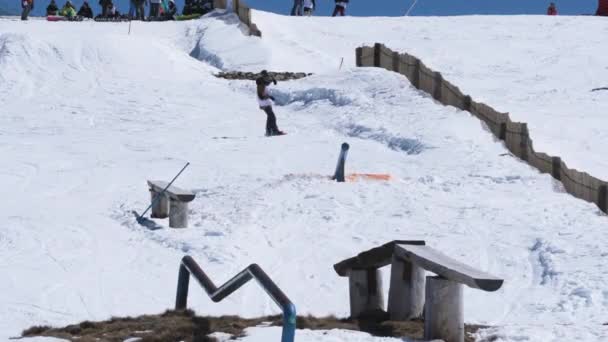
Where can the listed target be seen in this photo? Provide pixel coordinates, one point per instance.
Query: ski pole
(162, 192)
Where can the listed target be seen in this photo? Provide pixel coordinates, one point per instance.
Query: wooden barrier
(243, 11)
(514, 134)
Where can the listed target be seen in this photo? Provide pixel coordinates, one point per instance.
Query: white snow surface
(90, 112)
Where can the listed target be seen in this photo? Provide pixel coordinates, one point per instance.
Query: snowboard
(62, 18)
(188, 17)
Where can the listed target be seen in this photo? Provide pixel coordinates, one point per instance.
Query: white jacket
(308, 4)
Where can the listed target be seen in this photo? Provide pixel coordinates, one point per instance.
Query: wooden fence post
(556, 168)
(377, 50)
(416, 74)
(502, 131)
(359, 57)
(602, 200)
(396, 62)
(437, 84)
(524, 142)
(467, 103)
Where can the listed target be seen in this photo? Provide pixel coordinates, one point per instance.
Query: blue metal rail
(189, 267)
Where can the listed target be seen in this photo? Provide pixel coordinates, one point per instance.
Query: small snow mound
(306, 97)
(408, 145)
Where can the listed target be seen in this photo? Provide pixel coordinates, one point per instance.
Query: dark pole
(339, 174)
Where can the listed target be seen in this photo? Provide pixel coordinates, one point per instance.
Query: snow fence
(243, 11)
(514, 134)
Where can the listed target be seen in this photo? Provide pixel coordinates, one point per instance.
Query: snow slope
(540, 69)
(90, 113)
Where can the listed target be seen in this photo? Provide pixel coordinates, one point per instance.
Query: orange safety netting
(354, 177)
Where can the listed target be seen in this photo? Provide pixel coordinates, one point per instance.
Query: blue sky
(386, 7)
(437, 7)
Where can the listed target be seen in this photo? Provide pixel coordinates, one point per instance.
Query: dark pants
(140, 12)
(154, 10)
(297, 7)
(338, 10)
(271, 121)
(26, 12)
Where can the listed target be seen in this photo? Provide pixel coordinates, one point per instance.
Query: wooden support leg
(178, 215)
(365, 287)
(443, 317)
(161, 208)
(406, 293)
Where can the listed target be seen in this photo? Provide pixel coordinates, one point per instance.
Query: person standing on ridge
(265, 103)
(340, 8)
(602, 8)
(552, 10)
(309, 7)
(52, 8)
(154, 8)
(105, 4)
(27, 6)
(297, 7)
(85, 11)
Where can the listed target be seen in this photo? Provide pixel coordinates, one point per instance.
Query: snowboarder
(68, 10)
(340, 7)
(602, 8)
(85, 11)
(552, 10)
(297, 7)
(309, 7)
(27, 6)
(52, 8)
(265, 103)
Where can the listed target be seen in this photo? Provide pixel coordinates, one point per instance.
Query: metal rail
(189, 267)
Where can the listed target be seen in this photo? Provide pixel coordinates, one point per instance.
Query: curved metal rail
(189, 267)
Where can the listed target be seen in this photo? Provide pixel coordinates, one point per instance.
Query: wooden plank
(373, 258)
(173, 191)
(446, 267)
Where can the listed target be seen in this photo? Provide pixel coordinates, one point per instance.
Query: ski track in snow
(90, 114)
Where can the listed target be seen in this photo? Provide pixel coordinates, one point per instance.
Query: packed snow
(91, 112)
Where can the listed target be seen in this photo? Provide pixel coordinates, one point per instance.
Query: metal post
(339, 174)
(183, 280)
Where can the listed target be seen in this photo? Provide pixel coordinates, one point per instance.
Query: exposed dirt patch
(186, 326)
(279, 76)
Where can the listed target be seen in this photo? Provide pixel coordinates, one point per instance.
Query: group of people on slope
(307, 7)
(602, 8)
(109, 10)
(68, 10)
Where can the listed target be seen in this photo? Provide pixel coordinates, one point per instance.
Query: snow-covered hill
(90, 113)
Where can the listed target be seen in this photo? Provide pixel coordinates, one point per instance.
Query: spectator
(171, 11)
(68, 10)
(297, 7)
(52, 8)
(340, 7)
(27, 6)
(132, 9)
(105, 7)
(154, 8)
(309, 7)
(140, 12)
(85, 11)
(602, 8)
(197, 7)
(552, 10)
